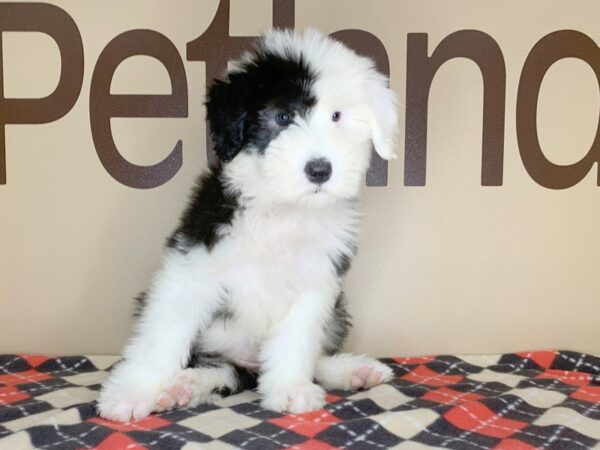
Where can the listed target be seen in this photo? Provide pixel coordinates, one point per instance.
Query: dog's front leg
(178, 305)
(289, 355)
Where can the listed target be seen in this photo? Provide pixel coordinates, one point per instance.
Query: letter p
(57, 24)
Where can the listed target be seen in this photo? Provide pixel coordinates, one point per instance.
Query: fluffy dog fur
(250, 286)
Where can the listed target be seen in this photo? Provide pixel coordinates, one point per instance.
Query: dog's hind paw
(192, 386)
(346, 371)
(175, 394)
(369, 375)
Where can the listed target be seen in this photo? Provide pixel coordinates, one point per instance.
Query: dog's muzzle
(318, 170)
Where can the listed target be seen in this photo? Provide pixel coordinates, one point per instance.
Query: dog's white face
(296, 119)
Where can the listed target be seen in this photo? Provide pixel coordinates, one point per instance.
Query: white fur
(274, 261)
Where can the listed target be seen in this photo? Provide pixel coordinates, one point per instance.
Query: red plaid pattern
(520, 401)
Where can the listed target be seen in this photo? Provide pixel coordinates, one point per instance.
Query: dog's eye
(336, 116)
(283, 119)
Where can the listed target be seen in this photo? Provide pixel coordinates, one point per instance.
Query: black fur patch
(342, 264)
(210, 207)
(243, 108)
(225, 313)
(140, 304)
(246, 379)
(338, 327)
(199, 359)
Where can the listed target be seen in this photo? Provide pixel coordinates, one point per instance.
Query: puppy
(250, 285)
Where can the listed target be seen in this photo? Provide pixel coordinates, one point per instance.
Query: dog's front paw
(126, 404)
(296, 399)
(129, 393)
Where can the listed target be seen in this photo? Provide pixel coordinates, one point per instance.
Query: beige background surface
(451, 267)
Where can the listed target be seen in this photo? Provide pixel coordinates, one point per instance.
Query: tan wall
(450, 267)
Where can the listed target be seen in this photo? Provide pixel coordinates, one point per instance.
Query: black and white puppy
(251, 279)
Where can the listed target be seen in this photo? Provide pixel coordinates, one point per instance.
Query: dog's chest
(268, 259)
(280, 252)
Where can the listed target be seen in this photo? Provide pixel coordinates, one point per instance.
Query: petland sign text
(215, 46)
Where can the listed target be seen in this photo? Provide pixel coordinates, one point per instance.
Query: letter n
(421, 69)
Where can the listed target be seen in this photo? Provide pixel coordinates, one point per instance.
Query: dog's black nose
(318, 170)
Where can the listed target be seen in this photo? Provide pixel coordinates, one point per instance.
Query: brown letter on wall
(104, 106)
(57, 24)
(548, 50)
(216, 47)
(485, 52)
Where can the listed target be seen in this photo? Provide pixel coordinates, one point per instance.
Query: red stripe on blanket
(424, 375)
(34, 360)
(587, 393)
(27, 376)
(567, 377)
(450, 396)
(308, 424)
(10, 394)
(543, 359)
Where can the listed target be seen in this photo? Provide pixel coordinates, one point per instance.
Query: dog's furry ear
(226, 119)
(384, 116)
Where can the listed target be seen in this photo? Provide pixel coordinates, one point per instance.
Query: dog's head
(295, 119)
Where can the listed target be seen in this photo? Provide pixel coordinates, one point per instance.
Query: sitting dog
(250, 285)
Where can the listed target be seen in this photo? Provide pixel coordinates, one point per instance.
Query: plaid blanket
(543, 400)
